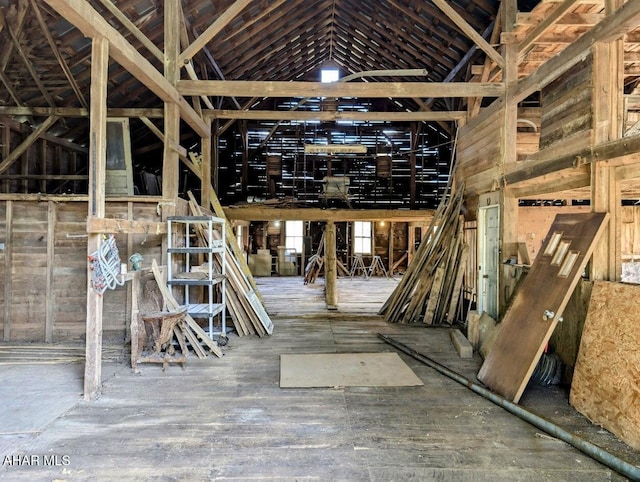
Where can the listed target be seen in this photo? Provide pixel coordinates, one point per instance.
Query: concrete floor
(227, 419)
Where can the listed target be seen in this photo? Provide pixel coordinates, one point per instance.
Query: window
(294, 231)
(361, 237)
(329, 75)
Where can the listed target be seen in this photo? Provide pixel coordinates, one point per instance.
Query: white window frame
(362, 237)
(294, 235)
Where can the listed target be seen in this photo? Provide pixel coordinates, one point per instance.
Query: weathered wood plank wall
(480, 149)
(566, 108)
(43, 288)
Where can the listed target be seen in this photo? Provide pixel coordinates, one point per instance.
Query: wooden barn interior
(199, 197)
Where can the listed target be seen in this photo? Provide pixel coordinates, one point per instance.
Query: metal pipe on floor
(593, 451)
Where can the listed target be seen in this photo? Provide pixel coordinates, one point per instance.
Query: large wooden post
(97, 173)
(508, 203)
(330, 266)
(607, 81)
(171, 159)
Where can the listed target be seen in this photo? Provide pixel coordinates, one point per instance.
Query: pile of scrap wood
(190, 330)
(315, 264)
(430, 290)
(247, 312)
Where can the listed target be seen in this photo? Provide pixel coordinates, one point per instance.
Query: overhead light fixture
(335, 149)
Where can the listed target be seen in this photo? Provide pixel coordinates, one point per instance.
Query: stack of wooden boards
(430, 290)
(247, 312)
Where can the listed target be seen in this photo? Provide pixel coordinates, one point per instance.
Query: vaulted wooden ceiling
(45, 60)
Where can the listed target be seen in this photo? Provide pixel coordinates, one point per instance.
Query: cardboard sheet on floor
(346, 370)
(606, 380)
(539, 303)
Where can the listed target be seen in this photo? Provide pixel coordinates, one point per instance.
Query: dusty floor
(227, 419)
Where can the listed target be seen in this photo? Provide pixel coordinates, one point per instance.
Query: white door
(488, 259)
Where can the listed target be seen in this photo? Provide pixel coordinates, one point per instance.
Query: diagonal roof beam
(614, 26)
(29, 66)
(22, 148)
(213, 30)
(132, 27)
(470, 32)
(91, 23)
(58, 55)
(543, 26)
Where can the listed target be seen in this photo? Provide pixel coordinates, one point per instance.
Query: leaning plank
(457, 285)
(240, 283)
(172, 304)
(606, 381)
(434, 295)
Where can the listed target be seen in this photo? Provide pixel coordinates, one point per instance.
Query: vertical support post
(215, 154)
(49, 300)
(607, 111)
(171, 163)
(6, 148)
(97, 174)
(330, 266)
(8, 278)
(508, 203)
(244, 177)
(412, 160)
(391, 247)
(411, 241)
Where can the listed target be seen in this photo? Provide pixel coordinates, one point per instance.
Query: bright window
(293, 235)
(329, 75)
(361, 237)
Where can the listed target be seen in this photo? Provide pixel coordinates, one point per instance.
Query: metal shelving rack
(213, 270)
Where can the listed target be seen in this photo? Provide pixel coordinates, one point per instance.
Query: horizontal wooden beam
(242, 88)
(81, 14)
(77, 198)
(328, 116)
(270, 213)
(567, 179)
(126, 226)
(78, 112)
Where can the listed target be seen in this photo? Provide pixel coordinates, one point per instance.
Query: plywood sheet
(525, 330)
(606, 380)
(345, 370)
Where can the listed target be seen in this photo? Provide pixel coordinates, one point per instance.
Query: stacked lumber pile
(430, 290)
(245, 307)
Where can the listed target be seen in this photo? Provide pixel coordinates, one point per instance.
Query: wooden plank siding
(480, 148)
(64, 311)
(566, 107)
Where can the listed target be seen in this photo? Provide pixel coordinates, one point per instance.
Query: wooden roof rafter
(84, 17)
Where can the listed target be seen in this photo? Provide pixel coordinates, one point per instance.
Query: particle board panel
(548, 286)
(345, 370)
(606, 380)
